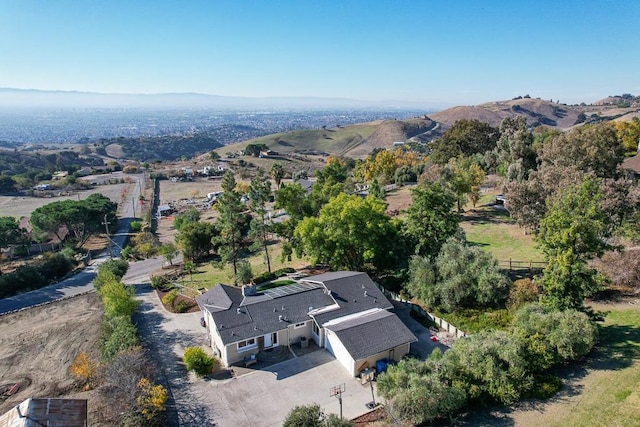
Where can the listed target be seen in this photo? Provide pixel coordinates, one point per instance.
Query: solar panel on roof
(295, 288)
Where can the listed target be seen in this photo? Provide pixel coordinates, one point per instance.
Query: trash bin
(304, 342)
(381, 365)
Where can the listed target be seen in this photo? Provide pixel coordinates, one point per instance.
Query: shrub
(198, 361)
(118, 267)
(83, 368)
(135, 226)
(159, 282)
(170, 298)
(152, 399)
(245, 273)
(182, 307)
(266, 276)
(117, 300)
(118, 334)
(522, 291)
(24, 279)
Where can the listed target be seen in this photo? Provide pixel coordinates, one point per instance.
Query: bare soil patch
(38, 345)
(398, 200)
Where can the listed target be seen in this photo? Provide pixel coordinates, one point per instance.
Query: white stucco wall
(335, 347)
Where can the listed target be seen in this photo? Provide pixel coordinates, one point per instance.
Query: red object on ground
(434, 338)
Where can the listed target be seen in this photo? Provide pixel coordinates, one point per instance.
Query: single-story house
(305, 184)
(343, 312)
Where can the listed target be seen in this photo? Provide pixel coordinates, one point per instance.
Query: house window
(315, 329)
(247, 344)
(299, 325)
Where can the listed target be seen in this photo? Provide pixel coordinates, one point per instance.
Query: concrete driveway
(424, 346)
(257, 398)
(264, 398)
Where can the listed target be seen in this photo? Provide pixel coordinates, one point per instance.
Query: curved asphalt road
(82, 282)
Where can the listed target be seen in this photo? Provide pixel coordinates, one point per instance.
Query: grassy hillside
(332, 141)
(355, 141)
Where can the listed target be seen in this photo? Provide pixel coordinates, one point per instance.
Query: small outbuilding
(36, 412)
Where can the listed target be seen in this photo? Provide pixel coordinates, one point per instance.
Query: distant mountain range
(33, 98)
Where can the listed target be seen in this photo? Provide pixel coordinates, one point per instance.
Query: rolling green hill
(355, 141)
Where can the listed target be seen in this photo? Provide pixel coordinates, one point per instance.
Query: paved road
(81, 282)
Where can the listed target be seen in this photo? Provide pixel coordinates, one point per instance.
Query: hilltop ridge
(359, 140)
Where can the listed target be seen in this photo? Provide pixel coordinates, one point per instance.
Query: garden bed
(191, 303)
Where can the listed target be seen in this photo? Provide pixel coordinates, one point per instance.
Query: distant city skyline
(463, 52)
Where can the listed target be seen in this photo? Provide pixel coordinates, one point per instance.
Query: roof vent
(255, 328)
(238, 310)
(280, 318)
(310, 308)
(365, 293)
(282, 308)
(275, 309)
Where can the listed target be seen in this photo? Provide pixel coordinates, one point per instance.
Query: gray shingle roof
(353, 291)
(372, 333)
(239, 317)
(244, 319)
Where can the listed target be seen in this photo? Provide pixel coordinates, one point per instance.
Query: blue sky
(448, 51)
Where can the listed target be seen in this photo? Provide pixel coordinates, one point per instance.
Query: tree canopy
(465, 137)
(81, 218)
(461, 276)
(572, 232)
(349, 232)
(431, 219)
(230, 223)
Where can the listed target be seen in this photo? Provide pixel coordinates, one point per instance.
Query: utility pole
(106, 227)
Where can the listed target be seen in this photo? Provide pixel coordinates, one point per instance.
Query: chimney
(250, 289)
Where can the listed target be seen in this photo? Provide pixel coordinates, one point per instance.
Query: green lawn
(494, 231)
(208, 276)
(611, 391)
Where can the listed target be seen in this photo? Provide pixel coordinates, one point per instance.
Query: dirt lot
(38, 345)
(23, 206)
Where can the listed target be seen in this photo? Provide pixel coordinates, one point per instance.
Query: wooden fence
(442, 324)
(516, 265)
